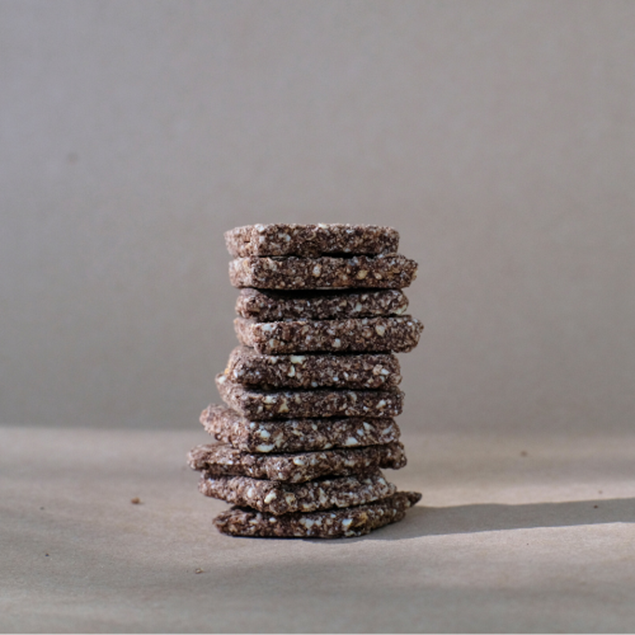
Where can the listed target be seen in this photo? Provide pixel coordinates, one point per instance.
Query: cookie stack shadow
(312, 390)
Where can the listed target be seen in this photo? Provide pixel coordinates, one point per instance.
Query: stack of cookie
(312, 391)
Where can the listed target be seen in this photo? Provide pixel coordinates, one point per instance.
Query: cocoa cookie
(355, 335)
(291, 404)
(334, 523)
(277, 497)
(384, 271)
(248, 367)
(279, 239)
(223, 460)
(270, 306)
(295, 435)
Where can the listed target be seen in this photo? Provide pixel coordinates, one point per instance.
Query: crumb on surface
(197, 570)
(136, 500)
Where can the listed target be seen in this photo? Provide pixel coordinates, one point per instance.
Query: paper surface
(513, 534)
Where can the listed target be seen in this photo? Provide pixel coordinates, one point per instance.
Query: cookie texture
(384, 271)
(223, 460)
(355, 335)
(266, 305)
(334, 523)
(311, 392)
(295, 435)
(288, 404)
(248, 367)
(278, 497)
(280, 239)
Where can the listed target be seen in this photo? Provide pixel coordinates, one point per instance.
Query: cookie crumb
(136, 500)
(198, 570)
(523, 453)
(595, 506)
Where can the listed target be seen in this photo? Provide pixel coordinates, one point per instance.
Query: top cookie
(280, 239)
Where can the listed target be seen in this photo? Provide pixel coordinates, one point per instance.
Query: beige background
(497, 136)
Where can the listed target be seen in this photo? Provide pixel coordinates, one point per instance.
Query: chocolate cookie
(280, 239)
(295, 435)
(291, 404)
(248, 367)
(384, 271)
(278, 497)
(334, 523)
(355, 335)
(223, 460)
(270, 306)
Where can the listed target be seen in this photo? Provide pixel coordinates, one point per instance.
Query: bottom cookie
(334, 523)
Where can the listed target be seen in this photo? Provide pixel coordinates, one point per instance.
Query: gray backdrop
(497, 136)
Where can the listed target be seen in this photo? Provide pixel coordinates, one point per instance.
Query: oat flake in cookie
(291, 239)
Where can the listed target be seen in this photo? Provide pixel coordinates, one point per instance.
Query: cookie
(371, 371)
(384, 271)
(278, 497)
(292, 404)
(223, 460)
(271, 306)
(355, 335)
(333, 523)
(280, 239)
(295, 435)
